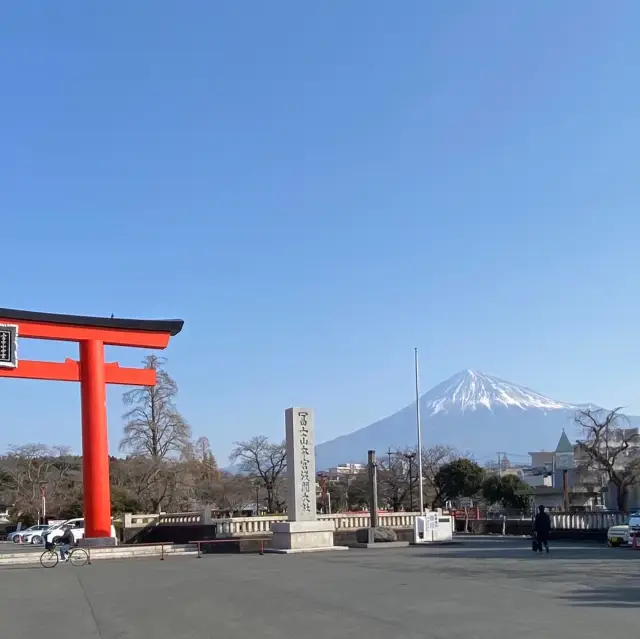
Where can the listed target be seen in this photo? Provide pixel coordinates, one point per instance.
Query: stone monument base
(302, 536)
(97, 542)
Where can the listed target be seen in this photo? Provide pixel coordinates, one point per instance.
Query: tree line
(164, 468)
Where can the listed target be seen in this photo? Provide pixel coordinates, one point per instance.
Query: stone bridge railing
(238, 526)
(587, 521)
(255, 525)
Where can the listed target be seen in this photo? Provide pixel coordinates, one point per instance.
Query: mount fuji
(471, 411)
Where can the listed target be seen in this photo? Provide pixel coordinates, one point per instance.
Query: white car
(19, 536)
(77, 528)
(35, 536)
(622, 535)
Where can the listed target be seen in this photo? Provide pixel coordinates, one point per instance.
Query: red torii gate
(92, 335)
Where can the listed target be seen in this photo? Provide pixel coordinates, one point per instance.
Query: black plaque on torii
(8, 345)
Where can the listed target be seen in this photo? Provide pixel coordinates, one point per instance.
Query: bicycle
(77, 557)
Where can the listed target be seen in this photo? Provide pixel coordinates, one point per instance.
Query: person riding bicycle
(66, 541)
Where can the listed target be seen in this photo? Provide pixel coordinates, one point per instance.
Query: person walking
(542, 528)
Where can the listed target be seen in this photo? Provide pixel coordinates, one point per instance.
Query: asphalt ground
(478, 588)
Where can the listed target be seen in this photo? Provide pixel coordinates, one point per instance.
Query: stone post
(373, 494)
(301, 464)
(302, 532)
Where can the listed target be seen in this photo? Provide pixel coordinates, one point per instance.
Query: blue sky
(316, 188)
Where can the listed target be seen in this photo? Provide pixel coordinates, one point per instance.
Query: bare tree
(28, 470)
(611, 447)
(432, 461)
(228, 492)
(398, 478)
(263, 460)
(154, 427)
(203, 455)
(155, 430)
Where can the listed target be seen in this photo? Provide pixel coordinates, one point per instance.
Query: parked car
(35, 536)
(77, 528)
(18, 536)
(622, 535)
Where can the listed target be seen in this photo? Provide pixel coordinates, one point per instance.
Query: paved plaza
(479, 588)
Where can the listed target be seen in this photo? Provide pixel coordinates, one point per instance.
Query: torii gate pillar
(92, 335)
(95, 441)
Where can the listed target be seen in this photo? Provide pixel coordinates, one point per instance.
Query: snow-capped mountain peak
(469, 390)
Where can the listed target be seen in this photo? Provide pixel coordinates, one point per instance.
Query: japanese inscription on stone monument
(301, 465)
(8, 345)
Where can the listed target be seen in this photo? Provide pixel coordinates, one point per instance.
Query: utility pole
(410, 457)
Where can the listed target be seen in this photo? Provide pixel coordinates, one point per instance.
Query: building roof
(173, 327)
(564, 445)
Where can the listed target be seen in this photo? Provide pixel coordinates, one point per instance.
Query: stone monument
(303, 532)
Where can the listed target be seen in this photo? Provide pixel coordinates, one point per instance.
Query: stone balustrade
(586, 521)
(129, 520)
(239, 526)
(188, 519)
(235, 526)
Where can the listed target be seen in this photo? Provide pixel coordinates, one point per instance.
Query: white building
(344, 471)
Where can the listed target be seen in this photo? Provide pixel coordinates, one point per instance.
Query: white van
(623, 534)
(77, 528)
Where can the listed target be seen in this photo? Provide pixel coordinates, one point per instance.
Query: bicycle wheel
(49, 558)
(78, 557)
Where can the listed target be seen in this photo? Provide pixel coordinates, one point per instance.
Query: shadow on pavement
(626, 595)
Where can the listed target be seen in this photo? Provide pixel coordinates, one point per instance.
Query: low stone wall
(164, 533)
(116, 552)
(521, 527)
(185, 527)
(252, 543)
(199, 526)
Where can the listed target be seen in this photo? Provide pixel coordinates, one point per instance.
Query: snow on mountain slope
(469, 390)
(471, 411)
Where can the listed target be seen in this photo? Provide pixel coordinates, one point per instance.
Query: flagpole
(419, 427)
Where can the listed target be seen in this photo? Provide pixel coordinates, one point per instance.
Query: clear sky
(318, 187)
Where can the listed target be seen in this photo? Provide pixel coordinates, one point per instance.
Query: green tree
(506, 490)
(459, 478)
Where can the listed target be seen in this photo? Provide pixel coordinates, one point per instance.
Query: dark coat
(68, 538)
(542, 524)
